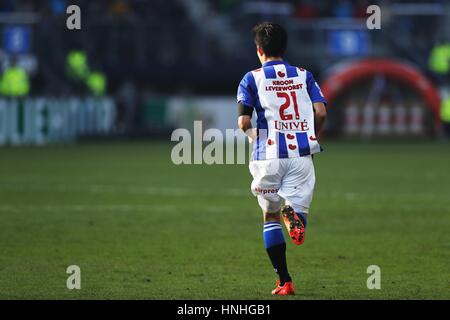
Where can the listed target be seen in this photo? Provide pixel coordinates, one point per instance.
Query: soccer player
(290, 109)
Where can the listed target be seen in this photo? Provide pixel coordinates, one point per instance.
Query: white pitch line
(121, 207)
(169, 191)
(146, 190)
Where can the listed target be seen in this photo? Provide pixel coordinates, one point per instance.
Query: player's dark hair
(271, 37)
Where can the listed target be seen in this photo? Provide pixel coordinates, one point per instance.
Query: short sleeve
(246, 93)
(315, 94)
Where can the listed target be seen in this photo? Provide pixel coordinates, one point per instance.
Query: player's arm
(320, 113)
(246, 101)
(318, 100)
(245, 121)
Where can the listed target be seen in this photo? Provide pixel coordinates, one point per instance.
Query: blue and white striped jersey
(282, 96)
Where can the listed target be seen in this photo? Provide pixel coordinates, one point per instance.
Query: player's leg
(297, 189)
(275, 244)
(265, 186)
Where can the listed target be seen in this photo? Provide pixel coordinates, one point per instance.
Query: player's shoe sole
(294, 224)
(286, 290)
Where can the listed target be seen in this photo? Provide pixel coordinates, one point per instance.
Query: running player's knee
(269, 205)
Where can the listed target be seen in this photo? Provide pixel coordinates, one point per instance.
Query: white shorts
(291, 179)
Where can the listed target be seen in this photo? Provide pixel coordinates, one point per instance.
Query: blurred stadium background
(91, 194)
(143, 68)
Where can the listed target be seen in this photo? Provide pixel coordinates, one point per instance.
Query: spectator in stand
(6, 5)
(361, 8)
(306, 9)
(120, 8)
(58, 7)
(343, 9)
(445, 112)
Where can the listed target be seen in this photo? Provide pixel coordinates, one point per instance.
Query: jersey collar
(274, 62)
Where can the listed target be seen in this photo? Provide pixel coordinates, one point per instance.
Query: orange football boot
(287, 289)
(294, 224)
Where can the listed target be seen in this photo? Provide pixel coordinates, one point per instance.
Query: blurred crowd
(149, 40)
(135, 48)
(99, 8)
(310, 9)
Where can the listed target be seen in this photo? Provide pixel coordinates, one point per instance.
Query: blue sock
(303, 217)
(273, 234)
(276, 249)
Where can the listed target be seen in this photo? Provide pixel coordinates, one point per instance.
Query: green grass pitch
(140, 227)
